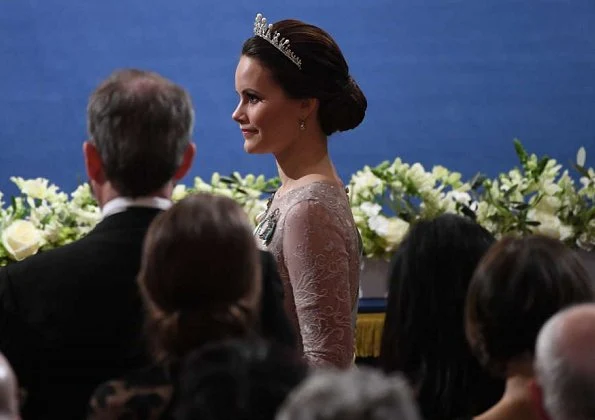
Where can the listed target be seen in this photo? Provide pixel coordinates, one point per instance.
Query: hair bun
(351, 83)
(345, 110)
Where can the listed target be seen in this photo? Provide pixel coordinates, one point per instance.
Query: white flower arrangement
(42, 218)
(385, 200)
(540, 198)
(251, 192)
(535, 198)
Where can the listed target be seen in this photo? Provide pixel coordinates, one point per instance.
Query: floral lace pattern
(316, 247)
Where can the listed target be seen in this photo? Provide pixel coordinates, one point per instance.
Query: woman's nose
(237, 113)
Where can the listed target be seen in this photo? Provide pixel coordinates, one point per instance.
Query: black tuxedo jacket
(72, 317)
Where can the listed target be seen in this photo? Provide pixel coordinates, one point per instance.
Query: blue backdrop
(448, 81)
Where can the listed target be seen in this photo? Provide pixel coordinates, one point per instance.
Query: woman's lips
(247, 132)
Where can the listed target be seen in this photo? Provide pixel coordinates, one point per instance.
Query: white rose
(21, 239)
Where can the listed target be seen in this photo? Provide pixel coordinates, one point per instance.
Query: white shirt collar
(120, 204)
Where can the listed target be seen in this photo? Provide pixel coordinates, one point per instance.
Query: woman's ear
(308, 107)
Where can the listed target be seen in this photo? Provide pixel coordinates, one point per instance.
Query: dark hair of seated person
(200, 281)
(519, 284)
(239, 379)
(424, 335)
(200, 275)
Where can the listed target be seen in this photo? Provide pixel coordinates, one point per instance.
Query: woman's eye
(252, 99)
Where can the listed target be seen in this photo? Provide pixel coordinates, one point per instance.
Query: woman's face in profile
(269, 120)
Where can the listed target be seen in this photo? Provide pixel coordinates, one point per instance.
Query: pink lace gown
(315, 243)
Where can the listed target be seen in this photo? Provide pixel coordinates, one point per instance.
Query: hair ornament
(265, 31)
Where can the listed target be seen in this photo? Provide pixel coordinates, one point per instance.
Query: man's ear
(308, 107)
(93, 164)
(186, 164)
(537, 400)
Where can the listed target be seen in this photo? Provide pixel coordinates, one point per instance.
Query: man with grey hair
(356, 394)
(565, 365)
(9, 403)
(71, 317)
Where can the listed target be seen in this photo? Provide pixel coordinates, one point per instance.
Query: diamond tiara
(265, 31)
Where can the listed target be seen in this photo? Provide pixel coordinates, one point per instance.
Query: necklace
(267, 223)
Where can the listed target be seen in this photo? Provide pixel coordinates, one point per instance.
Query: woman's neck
(517, 388)
(308, 162)
(516, 401)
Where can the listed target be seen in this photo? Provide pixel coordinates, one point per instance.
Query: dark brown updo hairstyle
(199, 276)
(517, 286)
(324, 73)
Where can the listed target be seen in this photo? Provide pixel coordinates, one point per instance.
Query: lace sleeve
(317, 262)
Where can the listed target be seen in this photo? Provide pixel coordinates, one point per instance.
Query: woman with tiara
(295, 90)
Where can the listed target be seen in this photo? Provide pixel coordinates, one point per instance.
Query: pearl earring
(302, 125)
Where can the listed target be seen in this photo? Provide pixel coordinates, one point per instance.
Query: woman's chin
(252, 148)
(247, 147)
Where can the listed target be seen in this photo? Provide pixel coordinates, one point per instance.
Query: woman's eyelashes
(252, 98)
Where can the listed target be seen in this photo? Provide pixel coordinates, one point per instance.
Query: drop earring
(302, 125)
